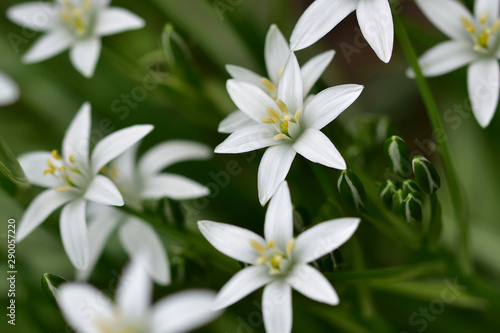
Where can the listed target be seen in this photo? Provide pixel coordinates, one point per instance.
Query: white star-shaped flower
(138, 182)
(474, 42)
(88, 310)
(276, 53)
(278, 261)
(73, 179)
(287, 125)
(77, 25)
(9, 91)
(374, 18)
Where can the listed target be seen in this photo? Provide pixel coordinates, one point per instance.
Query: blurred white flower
(77, 25)
(132, 310)
(474, 42)
(73, 179)
(278, 261)
(9, 91)
(287, 125)
(138, 182)
(276, 53)
(374, 18)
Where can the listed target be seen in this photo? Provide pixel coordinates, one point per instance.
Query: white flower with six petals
(374, 18)
(276, 53)
(475, 42)
(73, 179)
(74, 24)
(278, 261)
(287, 125)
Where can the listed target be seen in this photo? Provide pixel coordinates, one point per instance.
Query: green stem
(433, 114)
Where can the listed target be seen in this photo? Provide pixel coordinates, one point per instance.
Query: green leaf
(50, 283)
(11, 173)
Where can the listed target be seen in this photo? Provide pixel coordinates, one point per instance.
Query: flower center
(76, 15)
(286, 124)
(64, 170)
(277, 260)
(484, 33)
(118, 324)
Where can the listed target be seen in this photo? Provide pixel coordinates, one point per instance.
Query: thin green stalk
(433, 114)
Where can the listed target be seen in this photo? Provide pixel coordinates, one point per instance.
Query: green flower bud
(410, 186)
(426, 175)
(397, 200)
(397, 154)
(50, 283)
(412, 208)
(351, 190)
(387, 192)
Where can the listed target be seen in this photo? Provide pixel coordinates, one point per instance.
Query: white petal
(172, 186)
(375, 21)
(250, 99)
(48, 46)
(314, 68)
(102, 190)
(125, 165)
(117, 143)
(245, 75)
(183, 311)
(323, 238)
(9, 90)
(137, 236)
(311, 283)
(34, 164)
(100, 228)
(39, 209)
(279, 218)
(483, 84)
(249, 138)
(235, 121)
(231, 240)
(76, 138)
(83, 306)
(170, 152)
(317, 148)
(33, 15)
(487, 6)
(290, 89)
(324, 107)
(318, 19)
(276, 52)
(242, 284)
(277, 307)
(133, 294)
(74, 233)
(114, 20)
(84, 55)
(446, 16)
(445, 57)
(273, 169)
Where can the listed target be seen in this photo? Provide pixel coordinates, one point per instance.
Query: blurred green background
(189, 103)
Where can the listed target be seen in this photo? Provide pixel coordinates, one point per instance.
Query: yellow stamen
(282, 106)
(298, 114)
(274, 114)
(290, 245)
(468, 25)
(86, 5)
(267, 120)
(281, 71)
(61, 168)
(270, 244)
(276, 260)
(261, 260)
(114, 172)
(68, 180)
(274, 271)
(495, 26)
(51, 171)
(284, 128)
(483, 38)
(63, 188)
(104, 169)
(287, 117)
(257, 246)
(483, 18)
(55, 155)
(279, 137)
(71, 159)
(269, 85)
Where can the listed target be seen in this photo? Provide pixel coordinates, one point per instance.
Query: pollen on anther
(268, 84)
(282, 106)
(261, 260)
(274, 114)
(55, 155)
(270, 244)
(268, 120)
(71, 158)
(290, 245)
(298, 113)
(495, 26)
(483, 18)
(468, 25)
(63, 188)
(257, 246)
(279, 137)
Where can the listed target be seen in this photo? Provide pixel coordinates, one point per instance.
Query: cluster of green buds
(401, 193)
